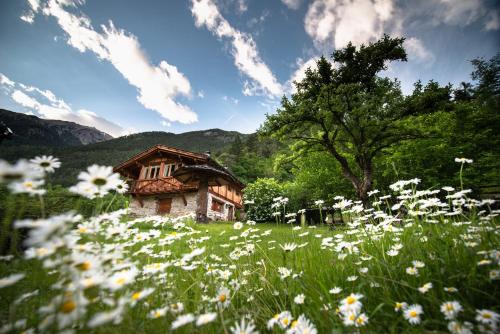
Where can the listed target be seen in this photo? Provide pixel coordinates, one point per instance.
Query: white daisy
(205, 318)
(451, 309)
(183, 320)
(412, 313)
(45, 163)
(299, 299)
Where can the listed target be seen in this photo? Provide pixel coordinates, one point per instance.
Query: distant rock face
(85, 134)
(32, 130)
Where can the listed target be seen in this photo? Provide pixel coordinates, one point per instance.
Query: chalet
(170, 181)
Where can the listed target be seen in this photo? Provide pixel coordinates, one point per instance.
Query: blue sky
(176, 66)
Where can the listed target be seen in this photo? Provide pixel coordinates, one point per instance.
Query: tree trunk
(365, 186)
(362, 186)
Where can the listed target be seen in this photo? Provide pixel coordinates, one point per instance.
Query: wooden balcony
(160, 185)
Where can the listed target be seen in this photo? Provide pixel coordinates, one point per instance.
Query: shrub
(260, 194)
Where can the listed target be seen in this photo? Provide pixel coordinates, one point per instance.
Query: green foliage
(251, 158)
(57, 200)
(349, 111)
(261, 192)
(468, 129)
(316, 176)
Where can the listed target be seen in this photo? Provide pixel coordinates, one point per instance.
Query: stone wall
(150, 204)
(148, 207)
(178, 207)
(215, 215)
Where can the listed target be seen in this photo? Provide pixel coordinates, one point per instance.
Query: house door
(230, 213)
(164, 206)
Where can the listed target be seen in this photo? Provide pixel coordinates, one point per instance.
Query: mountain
(32, 130)
(34, 136)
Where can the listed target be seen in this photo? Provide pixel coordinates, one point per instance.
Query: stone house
(170, 181)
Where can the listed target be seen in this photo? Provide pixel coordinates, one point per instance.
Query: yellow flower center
(157, 314)
(88, 282)
(487, 315)
(350, 300)
(82, 229)
(294, 323)
(99, 181)
(120, 281)
(286, 321)
(84, 266)
(449, 307)
(68, 306)
(41, 251)
(28, 184)
(352, 317)
(136, 296)
(222, 298)
(413, 314)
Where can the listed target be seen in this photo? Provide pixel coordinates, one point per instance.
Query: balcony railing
(159, 185)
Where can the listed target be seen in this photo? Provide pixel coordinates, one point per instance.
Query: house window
(217, 206)
(169, 169)
(145, 172)
(153, 172)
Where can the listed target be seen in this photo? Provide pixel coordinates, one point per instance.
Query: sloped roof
(202, 161)
(219, 176)
(161, 148)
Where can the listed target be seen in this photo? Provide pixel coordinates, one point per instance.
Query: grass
(450, 248)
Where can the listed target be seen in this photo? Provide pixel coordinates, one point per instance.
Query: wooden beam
(202, 201)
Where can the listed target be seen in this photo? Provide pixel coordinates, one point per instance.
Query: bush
(261, 193)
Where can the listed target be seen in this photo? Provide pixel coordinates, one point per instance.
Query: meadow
(415, 261)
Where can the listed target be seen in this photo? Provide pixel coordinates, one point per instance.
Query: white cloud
(34, 4)
(49, 106)
(6, 81)
(493, 22)
(333, 23)
(244, 50)
(292, 4)
(157, 86)
(201, 94)
(230, 99)
(300, 73)
(28, 17)
(417, 51)
(241, 6)
(462, 12)
(24, 100)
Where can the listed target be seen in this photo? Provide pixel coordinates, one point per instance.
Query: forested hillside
(34, 136)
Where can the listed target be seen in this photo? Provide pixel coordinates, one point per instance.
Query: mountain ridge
(76, 156)
(30, 129)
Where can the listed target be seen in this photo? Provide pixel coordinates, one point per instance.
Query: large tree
(351, 112)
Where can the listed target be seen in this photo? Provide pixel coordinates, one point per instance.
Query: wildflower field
(415, 261)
